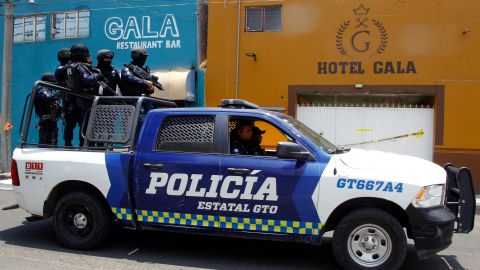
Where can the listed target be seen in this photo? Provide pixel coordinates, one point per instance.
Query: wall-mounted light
(466, 30)
(31, 1)
(358, 86)
(251, 54)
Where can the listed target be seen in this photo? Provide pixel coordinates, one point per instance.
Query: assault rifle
(144, 75)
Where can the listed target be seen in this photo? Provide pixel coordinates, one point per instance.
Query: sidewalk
(6, 184)
(5, 181)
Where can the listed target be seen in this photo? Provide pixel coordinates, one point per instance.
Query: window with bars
(186, 134)
(263, 19)
(29, 29)
(71, 24)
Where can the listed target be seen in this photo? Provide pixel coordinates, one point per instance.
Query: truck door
(275, 192)
(174, 169)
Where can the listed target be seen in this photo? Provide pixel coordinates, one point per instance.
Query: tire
(81, 221)
(371, 239)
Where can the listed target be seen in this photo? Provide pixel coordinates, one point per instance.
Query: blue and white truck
(172, 169)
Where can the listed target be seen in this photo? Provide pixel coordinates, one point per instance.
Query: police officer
(70, 110)
(132, 84)
(81, 78)
(63, 57)
(48, 109)
(104, 64)
(242, 135)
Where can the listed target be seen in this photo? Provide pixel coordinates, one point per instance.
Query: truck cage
(112, 122)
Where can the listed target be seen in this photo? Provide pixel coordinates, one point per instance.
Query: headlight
(430, 196)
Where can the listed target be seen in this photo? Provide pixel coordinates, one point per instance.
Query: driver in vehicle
(241, 137)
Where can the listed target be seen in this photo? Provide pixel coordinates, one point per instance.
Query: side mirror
(290, 150)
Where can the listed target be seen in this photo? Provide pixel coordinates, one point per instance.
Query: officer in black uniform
(104, 64)
(63, 57)
(48, 109)
(70, 110)
(241, 139)
(132, 84)
(81, 78)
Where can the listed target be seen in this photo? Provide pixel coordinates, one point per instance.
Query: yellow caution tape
(417, 135)
(364, 130)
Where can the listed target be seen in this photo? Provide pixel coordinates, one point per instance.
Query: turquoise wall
(169, 28)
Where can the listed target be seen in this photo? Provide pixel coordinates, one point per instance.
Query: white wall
(363, 127)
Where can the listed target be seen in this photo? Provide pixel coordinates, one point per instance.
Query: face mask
(104, 64)
(140, 60)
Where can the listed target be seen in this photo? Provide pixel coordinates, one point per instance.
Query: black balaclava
(63, 56)
(79, 53)
(139, 56)
(104, 59)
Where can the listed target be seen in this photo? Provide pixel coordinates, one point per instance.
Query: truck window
(186, 134)
(321, 142)
(262, 141)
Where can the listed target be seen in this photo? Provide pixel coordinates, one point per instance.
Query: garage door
(404, 130)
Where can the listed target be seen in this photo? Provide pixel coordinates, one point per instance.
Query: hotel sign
(363, 36)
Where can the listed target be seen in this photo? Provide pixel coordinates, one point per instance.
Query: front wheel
(369, 239)
(81, 221)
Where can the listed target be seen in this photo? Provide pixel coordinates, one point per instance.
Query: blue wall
(108, 20)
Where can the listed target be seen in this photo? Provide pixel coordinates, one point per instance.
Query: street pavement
(26, 245)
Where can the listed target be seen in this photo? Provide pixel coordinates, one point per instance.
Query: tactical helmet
(139, 52)
(48, 77)
(63, 55)
(105, 55)
(79, 52)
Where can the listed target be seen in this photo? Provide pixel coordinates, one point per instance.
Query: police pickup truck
(173, 169)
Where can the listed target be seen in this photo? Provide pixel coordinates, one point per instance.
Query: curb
(6, 184)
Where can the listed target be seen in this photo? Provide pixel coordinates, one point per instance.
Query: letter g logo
(366, 44)
(114, 28)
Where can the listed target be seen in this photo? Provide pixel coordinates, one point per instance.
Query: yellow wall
(462, 114)
(428, 32)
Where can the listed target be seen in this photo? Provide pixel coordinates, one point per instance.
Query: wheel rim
(78, 221)
(369, 245)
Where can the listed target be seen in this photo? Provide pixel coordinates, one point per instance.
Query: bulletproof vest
(73, 79)
(113, 77)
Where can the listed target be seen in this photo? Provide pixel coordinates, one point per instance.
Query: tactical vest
(73, 80)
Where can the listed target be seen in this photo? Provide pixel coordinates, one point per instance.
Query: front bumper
(432, 229)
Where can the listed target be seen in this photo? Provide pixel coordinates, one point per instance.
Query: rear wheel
(81, 221)
(369, 239)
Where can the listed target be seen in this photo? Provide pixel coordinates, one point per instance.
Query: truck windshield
(321, 142)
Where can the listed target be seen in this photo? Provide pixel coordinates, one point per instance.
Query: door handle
(153, 166)
(238, 171)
